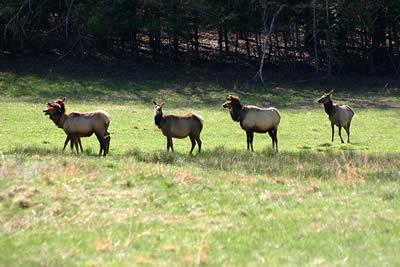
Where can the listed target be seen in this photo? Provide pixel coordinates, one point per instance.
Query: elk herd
(252, 119)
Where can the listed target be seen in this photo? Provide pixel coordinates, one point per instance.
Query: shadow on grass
(181, 85)
(336, 147)
(304, 164)
(30, 150)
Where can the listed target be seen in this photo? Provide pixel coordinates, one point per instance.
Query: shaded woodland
(330, 36)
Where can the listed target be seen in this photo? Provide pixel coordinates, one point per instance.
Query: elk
(76, 140)
(179, 126)
(254, 120)
(340, 116)
(80, 124)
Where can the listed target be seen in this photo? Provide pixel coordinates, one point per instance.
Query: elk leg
(198, 143)
(348, 132)
(340, 134)
(333, 131)
(193, 143)
(101, 141)
(251, 141)
(80, 144)
(72, 141)
(271, 134)
(248, 139)
(107, 139)
(170, 144)
(274, 137)
(66, 141)
(76, 140)
(250, 136)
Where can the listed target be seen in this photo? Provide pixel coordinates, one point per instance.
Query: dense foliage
(331, 35)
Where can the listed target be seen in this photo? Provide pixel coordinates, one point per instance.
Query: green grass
(313, 203)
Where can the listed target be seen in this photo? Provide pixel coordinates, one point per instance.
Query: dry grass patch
(203, 250)
(185, 177)
(348, 173)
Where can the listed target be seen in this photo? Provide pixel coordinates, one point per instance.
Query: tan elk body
(81, 124)
(340, 116)
(179, 126)
(253, 119)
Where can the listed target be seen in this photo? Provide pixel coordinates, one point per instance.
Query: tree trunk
(220, 42)
(328, 40)
(196, 40)
(226, 40)
(246, 37)
(268, 35)
(315, 38)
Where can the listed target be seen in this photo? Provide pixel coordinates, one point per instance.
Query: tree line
(332, 36)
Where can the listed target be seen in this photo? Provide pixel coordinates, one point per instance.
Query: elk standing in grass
(175, 126)
(74, 140)
(338, 115)
(80, 124)
(254, 119)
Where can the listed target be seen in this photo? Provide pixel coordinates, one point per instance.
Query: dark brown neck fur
(158, 119)
(235, 111)
(57, 119)
(329, 108)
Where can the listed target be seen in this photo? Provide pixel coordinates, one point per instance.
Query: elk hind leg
(72, 142)
(107, 139)
(340, 134)
(273, 134)
(192, 139)
(76, 141)
(347, 128)
(198, 142)
(100, 137)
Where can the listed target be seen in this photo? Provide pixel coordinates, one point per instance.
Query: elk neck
(235, 111)
(329, 108)
(158, 117)
(58, 118)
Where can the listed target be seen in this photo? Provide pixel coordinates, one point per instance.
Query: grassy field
(313, 203)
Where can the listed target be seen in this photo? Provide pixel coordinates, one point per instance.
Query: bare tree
(328, 40)
(315, 38)
(266, 38)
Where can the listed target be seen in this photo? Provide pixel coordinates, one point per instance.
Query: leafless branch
(267, 37)
(66, 19)
(14, 17)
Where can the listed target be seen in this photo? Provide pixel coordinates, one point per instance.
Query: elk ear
(331, 92)
(162, 104)
(154, 102)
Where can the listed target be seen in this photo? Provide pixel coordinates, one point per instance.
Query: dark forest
(328, 36)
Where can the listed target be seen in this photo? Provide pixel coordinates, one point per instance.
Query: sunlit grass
(313, 203)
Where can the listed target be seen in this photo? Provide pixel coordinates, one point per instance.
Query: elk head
(325, 98)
